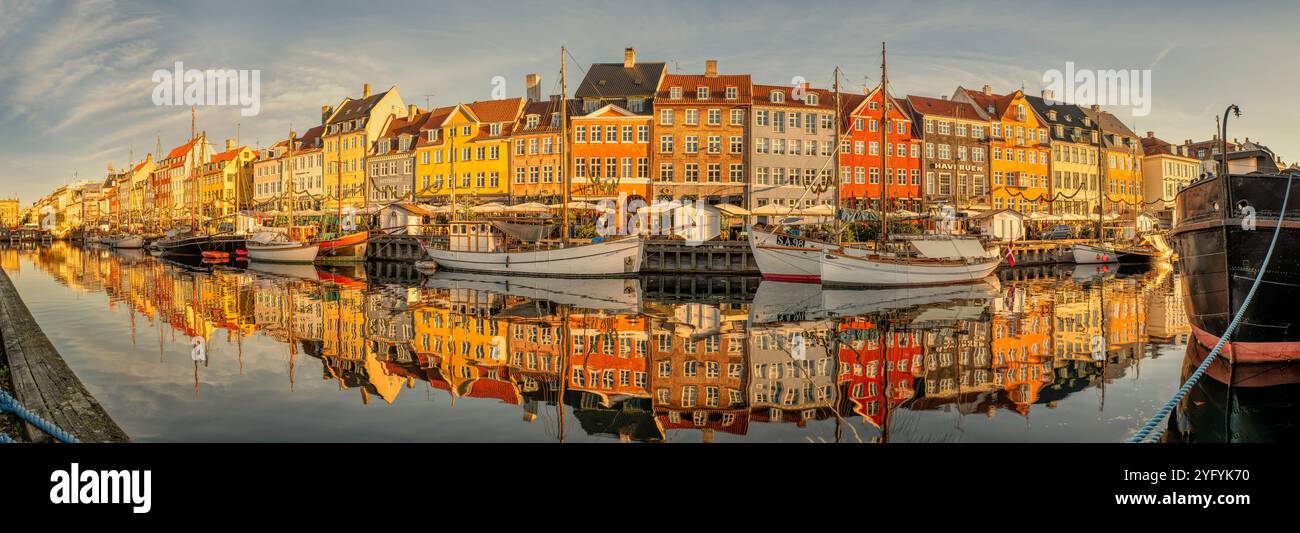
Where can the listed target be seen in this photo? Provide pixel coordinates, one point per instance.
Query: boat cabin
(475, 237)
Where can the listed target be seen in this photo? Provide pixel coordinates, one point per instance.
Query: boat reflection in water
(382, 352)
(1241, 403)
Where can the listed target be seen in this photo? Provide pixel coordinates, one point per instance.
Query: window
(665, 117)
(715, 117)
(733, 93)
(665, 144)
(701, 93)
(643, 134)
(737, 117)
(675, 93)
(627, 134)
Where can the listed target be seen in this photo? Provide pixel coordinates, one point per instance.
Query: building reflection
(624, 366)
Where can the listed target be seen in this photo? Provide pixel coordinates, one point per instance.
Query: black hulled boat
(1221, 249)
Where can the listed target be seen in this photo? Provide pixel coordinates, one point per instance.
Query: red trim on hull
(792, 278)
(1251, 352)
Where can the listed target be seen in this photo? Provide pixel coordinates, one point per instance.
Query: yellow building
(1122, 176)
(1166, 169)
(350, 130)
(1074, 178)
(465, 151)
(227, 181)
(1020, 150)
(134, 199)
(10, 213)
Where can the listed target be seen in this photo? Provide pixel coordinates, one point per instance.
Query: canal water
(201, 352)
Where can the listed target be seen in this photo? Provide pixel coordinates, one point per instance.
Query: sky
(76, 87)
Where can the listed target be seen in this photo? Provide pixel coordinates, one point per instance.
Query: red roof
(182, 149)
(763, 96)
(689, 83)
(228, 155)
(943, 107)
(504, 110)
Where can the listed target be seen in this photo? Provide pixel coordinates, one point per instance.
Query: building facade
(1074, 139)
(793, 135)
(867, 166)
(611, 154)
(954, 160)
(700, 129)
(465, 151)
(1166, 169)
(536, 161)
(391, 164)
(349, 132)
(1020, 150)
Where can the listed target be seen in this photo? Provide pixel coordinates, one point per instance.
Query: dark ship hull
(1220, 257)
(195, 246)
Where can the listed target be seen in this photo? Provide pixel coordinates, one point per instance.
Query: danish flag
(1011, 258)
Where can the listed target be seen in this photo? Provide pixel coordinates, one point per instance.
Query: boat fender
(507, 261)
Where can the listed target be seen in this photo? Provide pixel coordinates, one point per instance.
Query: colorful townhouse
(700, 129)
(611, 154)
(268, 177)
(10, 213)
(1166, 169)
(1022, 327)
(863, 158)
(306, 170)
(170, 202)
(618, 95)
(1020, 150)
(464, 152)
(877, 368)
(391, 164)
(698, 381)
(1122, 165)
(954, 160)
(1074, 138)
(792, 139)
(783, 386)
(226, 182)
(610, 355)
(350, 130)
(536, 162)
(139, 185)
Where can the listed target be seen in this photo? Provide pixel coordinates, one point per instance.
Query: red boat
(345, 249)
(216, 255)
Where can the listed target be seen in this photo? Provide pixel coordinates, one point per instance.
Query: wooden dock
(42, 380)
(403, 248)
(713, 257)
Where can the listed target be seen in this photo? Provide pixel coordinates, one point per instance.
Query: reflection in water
(307, 353)
(1245, 403)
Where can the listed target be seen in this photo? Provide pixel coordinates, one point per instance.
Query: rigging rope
(9, 403)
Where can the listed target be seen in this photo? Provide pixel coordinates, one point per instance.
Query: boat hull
(788, 258)
(292, 252)
(613, 258)
(1087, 254)
(1219, 259)
(195, 246)
(131, 242)
(873, 271)
(345, 249)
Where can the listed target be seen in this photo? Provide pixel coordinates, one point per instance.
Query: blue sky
(75, 87)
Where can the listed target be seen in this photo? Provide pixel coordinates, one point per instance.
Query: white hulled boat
(1091, 254)
(271, 247)
(128, 242)
(479, 247)
(784, 257)
(918, 267)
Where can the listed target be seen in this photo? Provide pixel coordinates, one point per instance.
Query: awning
(491, 207)
(530, 207)
(733, 210)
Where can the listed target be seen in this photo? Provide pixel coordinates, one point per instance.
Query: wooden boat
(129, 242)
(215, 255)
(891, 270)
(268, 247)
(785, 257)
(1089, 254)
(477, 247)
(345, 249)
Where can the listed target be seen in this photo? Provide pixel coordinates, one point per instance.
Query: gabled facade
(611, 153)
(1075, 174)
(1020, 150)
(631, 85)
(1122, 174)
(171, 204)
(793, 135)
(349, 132)
(225, 182)
(700, 129)
(392, 158)
(536, 164)
(1166, 169)
(862, 155)
(466, 151)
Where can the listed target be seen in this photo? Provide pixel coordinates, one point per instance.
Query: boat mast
(835, 179)
(194, 225)
(1101, 175)
(564, 154)
(292, 192)
(338, 178)
(883, 234)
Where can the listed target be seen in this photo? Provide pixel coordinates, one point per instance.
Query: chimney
(711, 68)
(1151, 134)
(411, 111)
(325, 113)
(230, 144)
(1049, 94)
(534, 84)
(629, 57)
(944, 97)
(988, 89)
(365, 91)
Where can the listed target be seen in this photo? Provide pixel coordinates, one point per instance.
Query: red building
(861, 154)
(873, 359)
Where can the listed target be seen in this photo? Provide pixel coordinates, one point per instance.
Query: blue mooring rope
(9, 403)
(1160, 415)
(5, 439)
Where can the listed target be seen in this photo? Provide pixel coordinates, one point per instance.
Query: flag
(1011, 258)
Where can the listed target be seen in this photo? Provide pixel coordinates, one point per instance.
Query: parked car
(1058, 232)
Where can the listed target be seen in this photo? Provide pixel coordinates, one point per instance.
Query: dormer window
(732, 93)
(589, 105)
(1051, 115)
(1020, 112)
(777, 97)
(532, 121)
(431, 135)
(675, 93)
(555, 120)
(701, 93)
(495, 129)
(810, 98)
(636, 105)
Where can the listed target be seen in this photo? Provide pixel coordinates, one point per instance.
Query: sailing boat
(478, 246)
(276, 247)
(342, 248)
(191, 240)
(918, 261)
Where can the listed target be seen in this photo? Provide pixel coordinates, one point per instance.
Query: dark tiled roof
(543, 109)
(1111, 125)
(353, 109)
(611, 80)
(1069, 116)
(311, 139)
(940, 107)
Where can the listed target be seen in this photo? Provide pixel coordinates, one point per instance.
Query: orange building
(861, 154)
(536, 167)
(611, 154)
(610, 355)
(1020, 150)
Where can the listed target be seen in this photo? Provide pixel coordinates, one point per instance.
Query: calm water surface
(299, 353)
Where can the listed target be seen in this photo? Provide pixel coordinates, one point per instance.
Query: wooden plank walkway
(42, 380)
